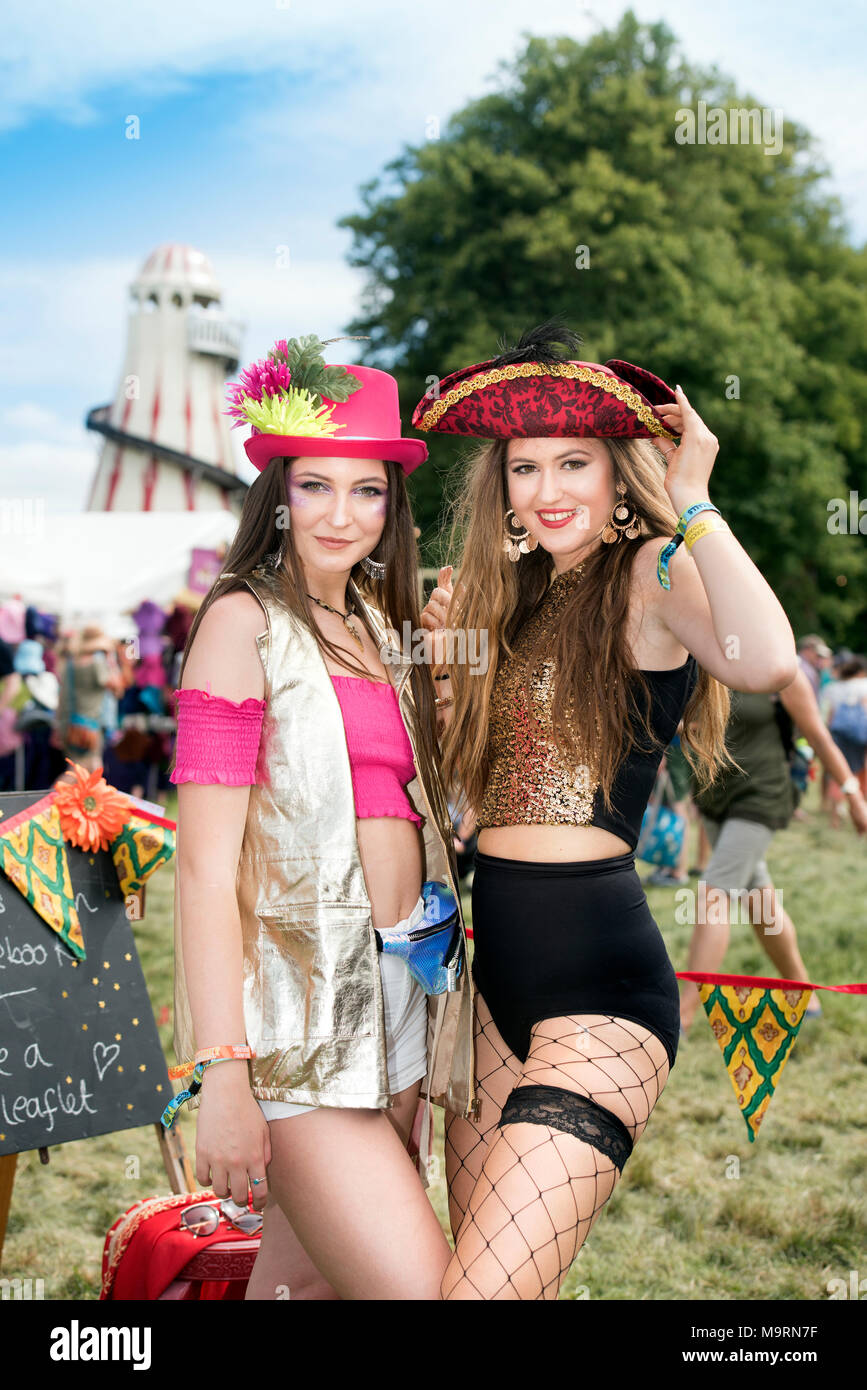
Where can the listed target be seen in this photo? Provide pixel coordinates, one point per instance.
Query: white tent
(98, 566)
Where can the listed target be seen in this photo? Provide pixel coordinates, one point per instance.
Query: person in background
(814, 657)
(843, 703)
(678, 770)
(742, 809)
(10, 684)
(36, 704)
(702, 853)
(88, 672)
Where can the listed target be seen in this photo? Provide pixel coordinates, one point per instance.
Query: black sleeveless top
(636, 773)
(529, 782)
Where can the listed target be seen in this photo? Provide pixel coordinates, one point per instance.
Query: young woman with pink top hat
(319, 946)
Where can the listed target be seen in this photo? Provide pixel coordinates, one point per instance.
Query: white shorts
(405, 1006)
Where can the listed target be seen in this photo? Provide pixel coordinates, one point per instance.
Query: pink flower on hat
(267, 377)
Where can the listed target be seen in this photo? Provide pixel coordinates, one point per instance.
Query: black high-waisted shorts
(577, 938)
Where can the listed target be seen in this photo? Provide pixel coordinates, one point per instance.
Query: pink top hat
(369, 428)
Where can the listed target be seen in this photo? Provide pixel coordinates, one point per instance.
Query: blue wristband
(174, 1105)
(664, 558)
(689, 513)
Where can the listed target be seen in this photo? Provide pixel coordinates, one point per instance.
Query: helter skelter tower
(166, 442)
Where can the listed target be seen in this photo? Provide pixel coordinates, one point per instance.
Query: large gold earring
(516, 546)
(619, 523)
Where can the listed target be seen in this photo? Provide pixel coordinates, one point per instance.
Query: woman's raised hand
(690, 462)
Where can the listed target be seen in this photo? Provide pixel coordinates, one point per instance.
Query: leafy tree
(720, 266)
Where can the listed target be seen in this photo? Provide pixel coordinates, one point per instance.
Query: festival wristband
(689, 513)
(174, 1105)
(665, 555)
(220, 1052)
(237, 1051)
(198, 1070)
(704, 527)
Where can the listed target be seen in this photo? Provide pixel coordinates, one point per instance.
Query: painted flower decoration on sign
(91, 812)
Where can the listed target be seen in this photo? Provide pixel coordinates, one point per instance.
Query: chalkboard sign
(79, 1049)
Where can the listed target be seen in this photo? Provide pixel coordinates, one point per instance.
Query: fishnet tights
(523, 1198)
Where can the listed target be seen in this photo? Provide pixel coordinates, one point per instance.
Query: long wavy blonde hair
(593, 664)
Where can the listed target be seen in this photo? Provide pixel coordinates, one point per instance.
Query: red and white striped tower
(167, 445)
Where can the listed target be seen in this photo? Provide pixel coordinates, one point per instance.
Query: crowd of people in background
(76, 693)
(838, 681)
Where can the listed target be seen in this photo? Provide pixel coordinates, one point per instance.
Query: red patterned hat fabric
(526, 400)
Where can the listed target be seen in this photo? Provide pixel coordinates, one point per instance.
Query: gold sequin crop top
(529, 782)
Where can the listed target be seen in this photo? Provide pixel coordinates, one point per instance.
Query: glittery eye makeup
(297, 495)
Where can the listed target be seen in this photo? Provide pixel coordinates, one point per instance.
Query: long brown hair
(395, 596)
(595, 672)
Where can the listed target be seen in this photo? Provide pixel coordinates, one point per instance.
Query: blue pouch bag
(434, 952)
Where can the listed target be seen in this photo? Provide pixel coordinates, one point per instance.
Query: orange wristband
(219, 1053)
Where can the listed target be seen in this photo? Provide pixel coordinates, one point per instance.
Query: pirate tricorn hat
(535, 389)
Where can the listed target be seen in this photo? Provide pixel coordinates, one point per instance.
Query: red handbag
(149, 1255)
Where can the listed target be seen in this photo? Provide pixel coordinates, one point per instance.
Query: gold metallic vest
(312, 992)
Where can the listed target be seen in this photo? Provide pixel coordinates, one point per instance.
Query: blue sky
(259, 122)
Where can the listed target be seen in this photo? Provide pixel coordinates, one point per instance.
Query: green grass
(679, 1226)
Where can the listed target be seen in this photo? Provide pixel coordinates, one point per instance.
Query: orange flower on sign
(91, 812)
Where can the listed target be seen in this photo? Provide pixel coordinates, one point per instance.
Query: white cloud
(48, 471)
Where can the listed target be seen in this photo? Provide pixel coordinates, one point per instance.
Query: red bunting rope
(700, 977)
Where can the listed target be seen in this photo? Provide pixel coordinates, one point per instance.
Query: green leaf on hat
(305, 361)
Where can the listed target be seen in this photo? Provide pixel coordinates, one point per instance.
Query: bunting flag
(33, 857)
(755, 1021)
(144, 843)
(89, 813)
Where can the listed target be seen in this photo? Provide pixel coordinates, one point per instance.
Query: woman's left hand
(689, 463)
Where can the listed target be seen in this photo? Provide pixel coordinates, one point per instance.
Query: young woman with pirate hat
(616, 602)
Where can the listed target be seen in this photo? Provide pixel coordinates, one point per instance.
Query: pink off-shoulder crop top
(218, 742)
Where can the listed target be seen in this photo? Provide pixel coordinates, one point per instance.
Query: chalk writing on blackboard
(79, 1049)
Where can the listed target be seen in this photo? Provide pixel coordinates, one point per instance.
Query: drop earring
(516, 546)
(375, 568)
(620, 523)
(273, 559)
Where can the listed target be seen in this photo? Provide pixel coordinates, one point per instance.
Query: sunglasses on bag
(203, 1218)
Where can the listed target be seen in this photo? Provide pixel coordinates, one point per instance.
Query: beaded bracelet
(665, 555)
